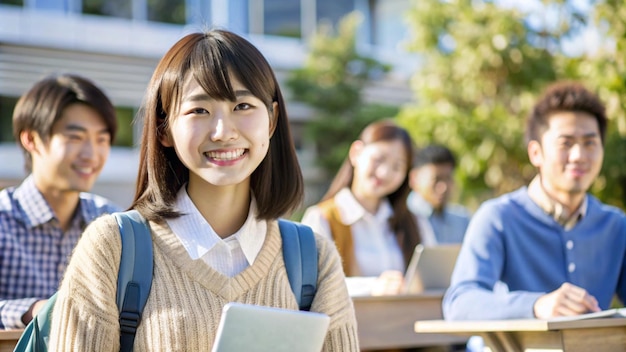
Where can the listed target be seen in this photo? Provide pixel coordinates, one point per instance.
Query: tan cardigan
(187, 296)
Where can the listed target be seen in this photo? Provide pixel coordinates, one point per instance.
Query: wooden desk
(8, 339)
(386, 322)
(599, 334)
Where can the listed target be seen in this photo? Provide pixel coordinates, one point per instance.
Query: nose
(383, 171)
(88, 149)
(441, 186)
(576, 152)
(223, 128)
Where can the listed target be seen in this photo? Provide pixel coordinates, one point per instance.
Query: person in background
(217, 169)
(559, 249)
(364, 210)
(432, 182)
(65, 126)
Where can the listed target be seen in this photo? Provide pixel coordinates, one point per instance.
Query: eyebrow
(586, 135)
(78, 128)
(204, 96)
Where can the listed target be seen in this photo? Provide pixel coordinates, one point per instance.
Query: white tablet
(245, 327)
(430, 268)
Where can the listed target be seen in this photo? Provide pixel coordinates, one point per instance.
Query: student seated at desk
(365, 211)
(432, 182)
(560, 250)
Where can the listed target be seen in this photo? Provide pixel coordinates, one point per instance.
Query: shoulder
(12, 212)
(494, 212)
(7, 200)
(506, 202)
(458, 210)
(102, 232)
(596, 208)
(95, 205)
(312, 213)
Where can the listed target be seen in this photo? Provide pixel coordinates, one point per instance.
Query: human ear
(535, 154)
(355, 150)
(165, 137)
(273, 118)
(28, 139)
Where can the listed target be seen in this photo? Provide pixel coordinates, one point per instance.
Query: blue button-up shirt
(34, 250)
(449, 225)
(513, 240)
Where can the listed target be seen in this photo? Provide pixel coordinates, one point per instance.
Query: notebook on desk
(430, 268)
(246, 327)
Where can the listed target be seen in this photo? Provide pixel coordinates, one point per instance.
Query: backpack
(135, 278)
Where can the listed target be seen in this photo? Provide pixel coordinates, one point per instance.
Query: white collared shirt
(230, 255)
(375, 246)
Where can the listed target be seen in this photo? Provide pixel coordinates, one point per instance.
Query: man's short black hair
(434, 154)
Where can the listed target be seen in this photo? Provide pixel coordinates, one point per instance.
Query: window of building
(332, 10)
(282, 18)
(387, 30)
(7, 104)
(168, 11)
(12, 2)
(113, 8)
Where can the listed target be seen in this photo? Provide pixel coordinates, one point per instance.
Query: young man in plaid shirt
(65, 126)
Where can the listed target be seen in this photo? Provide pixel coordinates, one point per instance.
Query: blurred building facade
(117, 44)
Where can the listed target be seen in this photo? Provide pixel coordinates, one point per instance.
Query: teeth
(85, 170)
(229, 155)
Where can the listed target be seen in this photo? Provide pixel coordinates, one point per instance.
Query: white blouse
(230, 255)
(375, 247)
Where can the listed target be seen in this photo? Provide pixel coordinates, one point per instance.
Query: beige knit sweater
(187, 296)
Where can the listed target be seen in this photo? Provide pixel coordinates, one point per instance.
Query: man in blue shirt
(432, 181)
(560, 250)
(65, 126)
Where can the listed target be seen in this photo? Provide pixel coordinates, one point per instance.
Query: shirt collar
(351, 211)
(198, 237)
(37, 211)
(553, 208)
(420, 205)
(35, 207)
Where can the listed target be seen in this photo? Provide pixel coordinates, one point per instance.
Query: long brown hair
(210, 57)
(402, 222)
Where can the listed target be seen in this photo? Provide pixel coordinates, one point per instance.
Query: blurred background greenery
(482, 64)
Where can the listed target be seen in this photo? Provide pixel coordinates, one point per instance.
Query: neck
(63, 205)
(225, 208)
(570, 201)
(368, 203)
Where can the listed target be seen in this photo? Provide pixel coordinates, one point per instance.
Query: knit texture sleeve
(332, 299)
(85, 316)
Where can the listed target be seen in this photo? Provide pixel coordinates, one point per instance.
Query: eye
(106, 139)
(200, 111)
(566, 143)
(590, 143)
(197, 111)
(74, 137)
(243, 106)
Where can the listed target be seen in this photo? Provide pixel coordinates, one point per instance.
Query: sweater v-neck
(171, 249)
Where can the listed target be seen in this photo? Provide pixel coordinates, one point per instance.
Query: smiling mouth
(227, 155)
(85, 170)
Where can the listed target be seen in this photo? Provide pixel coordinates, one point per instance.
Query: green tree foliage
(483, 67)
(331, 82)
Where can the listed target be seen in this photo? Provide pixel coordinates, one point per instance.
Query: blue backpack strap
(135, 274)
(300, 254)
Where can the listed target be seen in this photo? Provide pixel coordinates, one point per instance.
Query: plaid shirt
(34, 251)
